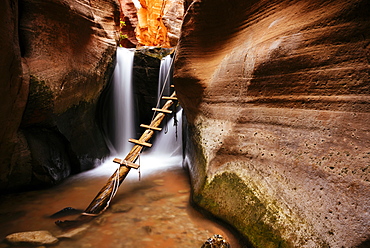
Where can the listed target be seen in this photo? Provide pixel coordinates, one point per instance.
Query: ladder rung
(126, 163)
(150, 127)
(169, 98)
(162, 110)
(138, 142)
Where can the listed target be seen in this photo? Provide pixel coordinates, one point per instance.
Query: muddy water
(152, 212)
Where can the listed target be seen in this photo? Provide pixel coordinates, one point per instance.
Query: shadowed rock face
(13, 88)
(277, 98)
(67, 49)
(146, 68)
(129, 16)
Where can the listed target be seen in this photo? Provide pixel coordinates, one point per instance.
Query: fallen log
(102, 200)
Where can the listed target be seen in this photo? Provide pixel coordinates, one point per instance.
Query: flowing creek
(152, 212)
(151, 208)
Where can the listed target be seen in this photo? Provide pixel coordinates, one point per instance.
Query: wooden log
(138, 142)
(99, 202)
(126, 163)
(169, 98)
(102, 200)
(162, 110)
(150, 127)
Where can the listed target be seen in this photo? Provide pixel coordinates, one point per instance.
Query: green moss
(229, 198)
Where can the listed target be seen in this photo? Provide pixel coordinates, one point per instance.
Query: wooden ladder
(101, 201)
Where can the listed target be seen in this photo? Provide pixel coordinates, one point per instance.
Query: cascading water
(123, 102)
(167, 147)
(165, 76)
(167, 144)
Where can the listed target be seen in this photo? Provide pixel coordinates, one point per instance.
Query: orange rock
(151, 23)
(151, 30)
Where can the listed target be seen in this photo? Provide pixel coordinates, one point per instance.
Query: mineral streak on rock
(277, 98)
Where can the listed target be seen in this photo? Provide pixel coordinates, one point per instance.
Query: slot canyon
(275, 99)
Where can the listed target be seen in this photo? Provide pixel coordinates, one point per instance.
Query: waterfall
(165, 76)
(166, 144)
(166, 151)
(167, 147)
(123, 102)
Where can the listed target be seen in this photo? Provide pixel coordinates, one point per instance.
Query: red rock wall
(277, 98)
(172, 20)
(129, 17)
(67, 49)
(13, 87)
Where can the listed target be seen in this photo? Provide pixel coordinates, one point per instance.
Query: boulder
(276, 96)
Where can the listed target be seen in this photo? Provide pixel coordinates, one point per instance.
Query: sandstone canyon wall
(151, 22)
(277, 98)
(56, 58)
(129, 17)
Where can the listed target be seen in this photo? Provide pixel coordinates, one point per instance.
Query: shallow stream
(152, 212)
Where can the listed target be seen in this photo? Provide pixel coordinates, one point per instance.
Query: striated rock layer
(49, 105)
(151, 22)
(277, 98)
(151, 30)
(129, 16)
(172, 20)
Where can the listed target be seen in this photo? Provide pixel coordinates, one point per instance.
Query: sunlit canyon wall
(276, 94)
(151, 22)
